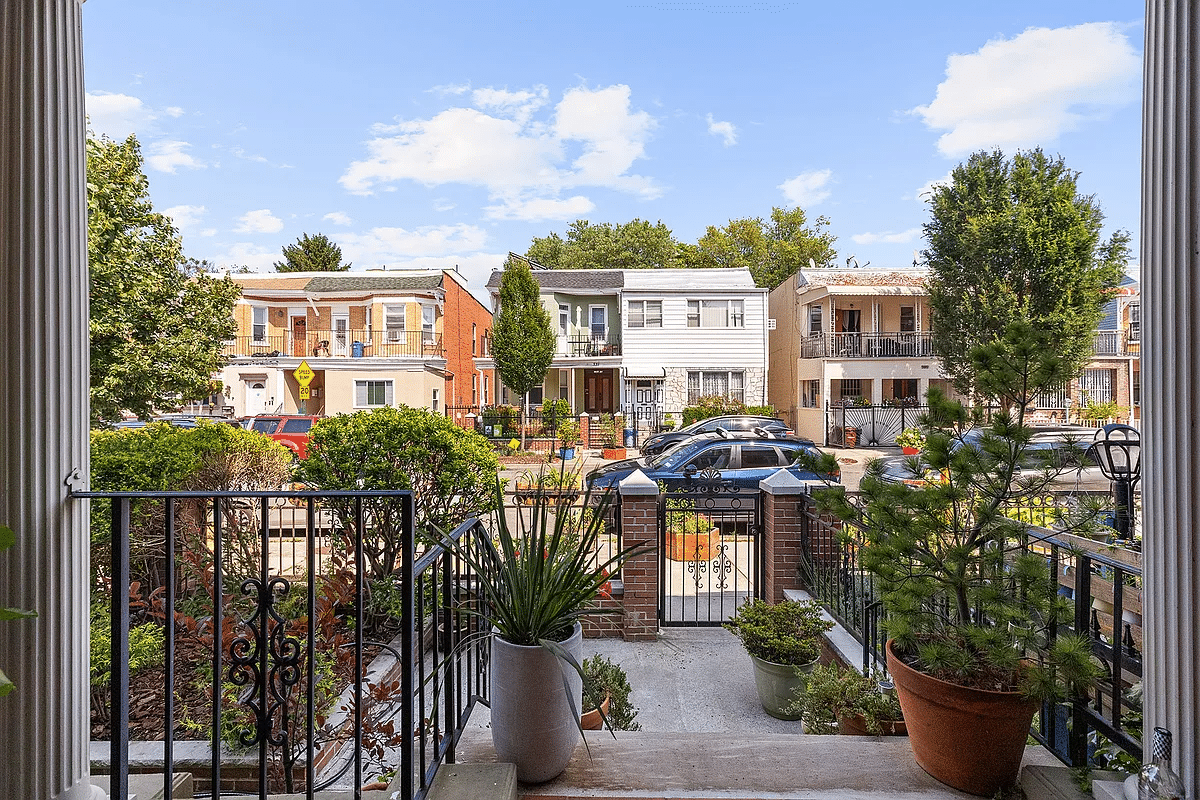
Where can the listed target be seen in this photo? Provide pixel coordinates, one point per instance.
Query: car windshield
(674, 457)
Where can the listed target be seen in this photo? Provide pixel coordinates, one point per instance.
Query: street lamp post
(1118, 448)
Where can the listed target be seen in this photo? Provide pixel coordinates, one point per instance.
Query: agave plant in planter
(538, 584)
(784, 643)
(978, 632)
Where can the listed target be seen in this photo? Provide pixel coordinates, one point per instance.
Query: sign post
(304, 376)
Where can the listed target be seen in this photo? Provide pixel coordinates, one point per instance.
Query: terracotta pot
(612, 453)
(857, 726)
(910, 451)
(966, 738)
(591, 719)
(693, 546)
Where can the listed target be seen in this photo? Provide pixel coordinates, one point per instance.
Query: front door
(299, 337)
(256, 398)
(598, 391)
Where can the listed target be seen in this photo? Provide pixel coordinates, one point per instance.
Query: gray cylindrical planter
(533, 724)
(779, 685)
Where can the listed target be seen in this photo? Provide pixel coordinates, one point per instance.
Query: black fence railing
(594, 346)
(262, 652)
(1103, 581)
(853, 425)
(907, 344)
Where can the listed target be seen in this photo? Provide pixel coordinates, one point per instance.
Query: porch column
(1171, 357)
(44, 400)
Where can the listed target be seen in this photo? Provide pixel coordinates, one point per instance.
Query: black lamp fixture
(1118, 449)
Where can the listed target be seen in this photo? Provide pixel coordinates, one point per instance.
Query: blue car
(740, 462)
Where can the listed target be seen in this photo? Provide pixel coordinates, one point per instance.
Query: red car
(290, 430)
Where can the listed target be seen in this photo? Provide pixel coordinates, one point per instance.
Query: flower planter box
(613, 453)
(692, 545)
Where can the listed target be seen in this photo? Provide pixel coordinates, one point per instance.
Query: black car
(742, 462)
(734, 423)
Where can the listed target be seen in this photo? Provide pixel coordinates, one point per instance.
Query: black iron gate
(710, 545)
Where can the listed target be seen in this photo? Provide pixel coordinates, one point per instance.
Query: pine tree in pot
(542, 580)
(784, 643)
(978, 630)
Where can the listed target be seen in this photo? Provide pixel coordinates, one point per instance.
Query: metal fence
(858, 425)
(253, 643)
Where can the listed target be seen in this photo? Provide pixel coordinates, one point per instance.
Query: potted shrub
(978, 632)
(911, 440)
(691, 536)
(606, 693)
(543, 579)
(560, 486)
(842, 700)
(784, 642)
(610, 447)
(568, 437)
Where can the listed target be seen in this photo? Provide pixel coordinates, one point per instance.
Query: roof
(567, 279)
(864, 277)
(592, 280)
(332, 282)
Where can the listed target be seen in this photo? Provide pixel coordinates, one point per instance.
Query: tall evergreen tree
(522, 334)
(1012, 242)
(314, 253)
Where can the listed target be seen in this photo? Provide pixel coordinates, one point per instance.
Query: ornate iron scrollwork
(268, 692)
(722, 566)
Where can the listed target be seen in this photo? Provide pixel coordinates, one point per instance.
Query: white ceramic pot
(534, 725)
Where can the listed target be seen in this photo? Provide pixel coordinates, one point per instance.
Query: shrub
(835, 692)
(602, 677)
(783, 633)
(1107, 410)
(716, 405)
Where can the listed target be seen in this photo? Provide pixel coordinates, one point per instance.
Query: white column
(44, 728)
(1171, 358)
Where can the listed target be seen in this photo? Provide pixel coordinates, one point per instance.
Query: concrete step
(150, 787)
(691, 766)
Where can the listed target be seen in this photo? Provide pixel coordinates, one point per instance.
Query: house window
(1135, 388)
(260, 323)
(851, 388)
(474, 337)
(716, 314)
(1056, 397)
(367, 321)
(434, 403)
(564, 318)
(1135, 322)
(536, 394)
(372, 394)
(904, 389)
(485, 390)
(427, 323)
(722, 384)
(1097, 385)
(810, 394)
(908, 319)
(814, 320)
(393, 323)
(599, 323)
(645, 313)
(563, 375)
(474, 388)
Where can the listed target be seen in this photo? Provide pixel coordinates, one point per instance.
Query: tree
(311, 254)
(772, 250)
(522, 336)
(1013, 241)
(451, 471)
(158, 322)
(632, 245)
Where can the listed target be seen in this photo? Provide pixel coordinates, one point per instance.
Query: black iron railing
(256, 636)
(594, 346)
(907, 344)
(1104, 582)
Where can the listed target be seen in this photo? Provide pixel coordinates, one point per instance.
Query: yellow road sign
(304, 374)
(305, 393)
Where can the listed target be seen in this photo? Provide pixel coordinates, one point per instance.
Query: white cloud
(393, 246)
(208, 232)
(887, 238)
(173, 111)
(185, 216)
(807, 188)
(260, 221)
(245, 254)
(542, 208)
(725, 130)
(925, 192)
(338, 218)
(1030, 89)
(443, 204)
(521, 161)
(168, 155)
(117, 115)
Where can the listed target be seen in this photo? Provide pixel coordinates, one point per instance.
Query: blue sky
(450, 133)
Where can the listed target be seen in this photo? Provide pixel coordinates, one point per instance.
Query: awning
(656, 373)
(860, 290)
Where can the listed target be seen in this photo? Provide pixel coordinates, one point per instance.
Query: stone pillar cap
(783, 481)
(638, 483)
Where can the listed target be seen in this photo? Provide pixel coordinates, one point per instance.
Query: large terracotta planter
(693, 545)
(534, 724)
(967, 738)
(592, 720)
(779, 685)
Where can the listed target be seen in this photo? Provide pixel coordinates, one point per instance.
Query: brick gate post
(639, 526)
(783, 524)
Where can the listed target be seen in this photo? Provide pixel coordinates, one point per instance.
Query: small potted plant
(842, 700)
(606, 693)
(610, 447)
(784, 642)
(568, 437)
(911, 440)
(561, 486)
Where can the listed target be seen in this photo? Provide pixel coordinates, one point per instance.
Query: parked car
(731, 422)
(177, 420)
(290, 430)
(1065, 446)
(741, 462)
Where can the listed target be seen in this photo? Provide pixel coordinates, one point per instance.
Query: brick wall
(639, 527)
(782, 529)
(462, 311)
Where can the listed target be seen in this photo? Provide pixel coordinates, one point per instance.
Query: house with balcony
(1115, 374)
(647, 343)
(376, 338)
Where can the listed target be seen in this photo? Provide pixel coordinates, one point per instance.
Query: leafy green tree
(1013, 241)
(451, 471)
(771, 249)
(312, 254)
(633, 245)
(158, 322)
(522, 335)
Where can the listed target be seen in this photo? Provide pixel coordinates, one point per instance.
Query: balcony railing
(339, 344)
(1117, 343)
(593, 346)
(257, 636)
(867, 345)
